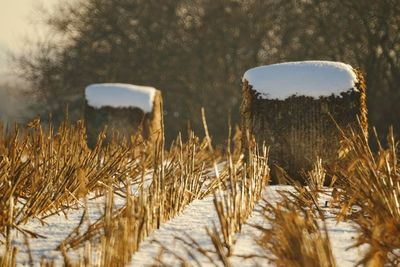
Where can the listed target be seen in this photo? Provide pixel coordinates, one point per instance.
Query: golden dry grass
(178, 177)
(236, 190)
(244, 186)
(9, 256)
(44, 171)
(295, 237)
(369, 186)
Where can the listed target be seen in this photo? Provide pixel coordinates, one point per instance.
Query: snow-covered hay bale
(290, 106)
(127, 108)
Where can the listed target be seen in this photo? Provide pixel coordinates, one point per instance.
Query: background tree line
(196, 51)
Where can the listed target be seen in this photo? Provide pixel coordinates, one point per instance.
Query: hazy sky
(19, 19)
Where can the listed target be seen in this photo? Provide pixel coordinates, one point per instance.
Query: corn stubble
(178, 178)
(370, 196)
(45, 172)
(244, 186)
(295, 237)
(367, 192)
(236, 190)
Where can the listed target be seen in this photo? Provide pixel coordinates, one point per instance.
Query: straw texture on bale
(126, 120)
(300, 128)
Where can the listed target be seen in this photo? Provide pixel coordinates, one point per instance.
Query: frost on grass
(118, 95)
(307, 78)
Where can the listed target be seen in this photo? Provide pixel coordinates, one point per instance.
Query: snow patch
(307, 78)
(119, 95)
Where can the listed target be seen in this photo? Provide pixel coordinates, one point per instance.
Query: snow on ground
(191, 222)
(119, 95)
(201, 214)
(56, 229)
(308, 78)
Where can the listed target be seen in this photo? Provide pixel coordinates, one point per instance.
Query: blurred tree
(361, 33)
(196, 51)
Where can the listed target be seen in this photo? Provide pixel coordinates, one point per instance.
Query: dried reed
(177, 179)
(236, 190)
(370, 196)
(8, 257)
(244, 188)
(295, 237)
(44, 172)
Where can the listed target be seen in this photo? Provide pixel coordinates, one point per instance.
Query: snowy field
(185, 238)
(201, 214)
(190, 223)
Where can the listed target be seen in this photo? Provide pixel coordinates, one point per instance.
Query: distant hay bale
(292, 108)
(129, 109)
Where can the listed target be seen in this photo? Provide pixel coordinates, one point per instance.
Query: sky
(19, 20)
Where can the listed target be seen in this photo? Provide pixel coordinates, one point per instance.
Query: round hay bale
(128, 109)
(293, 107)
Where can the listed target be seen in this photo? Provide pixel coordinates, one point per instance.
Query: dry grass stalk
(43, 172)
(46, 172)
(219, 245)
(295, 237)
(9, 256)
(309, 196)
(239, 187)
(177, 179)
(243, 189)
(370, 196)
(316, 177)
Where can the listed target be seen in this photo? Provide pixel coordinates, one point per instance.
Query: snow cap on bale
(296, 107)
(305, 78)
(119, 95)
(129, 109)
